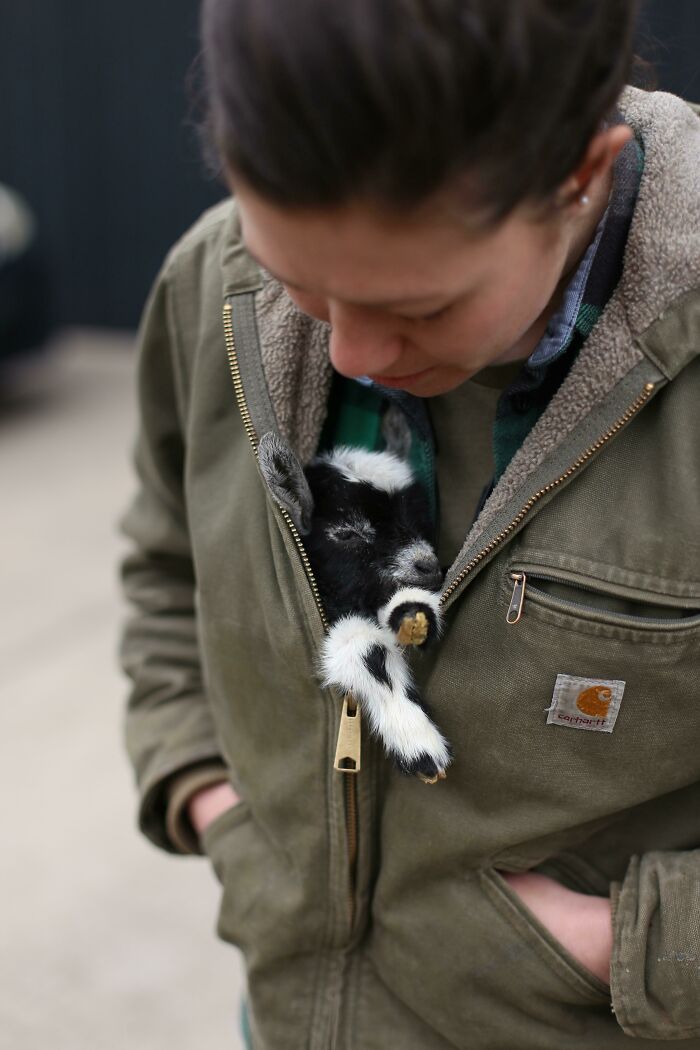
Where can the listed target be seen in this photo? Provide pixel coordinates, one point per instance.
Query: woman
(450, 208)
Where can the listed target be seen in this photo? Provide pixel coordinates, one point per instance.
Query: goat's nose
(428, 571)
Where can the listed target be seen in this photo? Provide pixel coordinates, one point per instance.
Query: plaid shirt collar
(561, 327)
(601, 267)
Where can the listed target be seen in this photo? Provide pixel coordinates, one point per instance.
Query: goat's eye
(351, 534)
(343, 534)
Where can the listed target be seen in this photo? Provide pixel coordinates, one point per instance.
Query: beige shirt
(463, 423)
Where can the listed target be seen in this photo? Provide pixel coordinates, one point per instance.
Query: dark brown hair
(317, 102)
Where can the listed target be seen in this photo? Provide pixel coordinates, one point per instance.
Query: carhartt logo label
(585, 703)
(595, 701)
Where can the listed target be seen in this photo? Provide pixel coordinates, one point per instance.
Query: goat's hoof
(425, 768)
(440, 775)
(414, 629)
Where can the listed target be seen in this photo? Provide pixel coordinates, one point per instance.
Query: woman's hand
(582, 924)
(208, 803)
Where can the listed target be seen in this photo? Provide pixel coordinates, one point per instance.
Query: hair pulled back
(318, 102)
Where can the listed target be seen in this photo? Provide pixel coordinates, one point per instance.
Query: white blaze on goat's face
(381, 469)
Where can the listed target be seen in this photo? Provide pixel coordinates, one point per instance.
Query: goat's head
(364, 521)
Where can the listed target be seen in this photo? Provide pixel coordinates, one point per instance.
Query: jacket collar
(662, 264)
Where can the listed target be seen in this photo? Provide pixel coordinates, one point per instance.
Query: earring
(584, 200)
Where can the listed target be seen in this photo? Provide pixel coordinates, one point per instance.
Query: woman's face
(416, 302)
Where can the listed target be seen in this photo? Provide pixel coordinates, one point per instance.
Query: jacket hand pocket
(223, 841)
(540, 940)
(219, 826)
(261, 890)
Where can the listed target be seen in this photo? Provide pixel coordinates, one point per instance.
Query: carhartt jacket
(369, 907)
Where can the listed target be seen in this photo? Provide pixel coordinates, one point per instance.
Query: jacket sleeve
(169, 730)
(655, 970)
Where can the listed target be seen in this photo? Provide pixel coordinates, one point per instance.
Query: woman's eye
(434, 316)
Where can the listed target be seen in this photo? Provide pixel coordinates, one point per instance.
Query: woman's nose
(361, 343)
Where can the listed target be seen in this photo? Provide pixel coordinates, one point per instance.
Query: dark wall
(93, 130)
(670, 38)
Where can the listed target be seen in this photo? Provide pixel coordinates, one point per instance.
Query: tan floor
(105, 943)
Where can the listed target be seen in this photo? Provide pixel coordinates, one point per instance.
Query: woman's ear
(600, 157)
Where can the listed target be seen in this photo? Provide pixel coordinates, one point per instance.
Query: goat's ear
(286, 480)
(396, 431)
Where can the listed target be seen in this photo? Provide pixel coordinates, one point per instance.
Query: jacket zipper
(523, 584)
(631, 412)
(348, 762)
(352, 759)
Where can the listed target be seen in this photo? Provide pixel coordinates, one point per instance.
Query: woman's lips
(400, 381)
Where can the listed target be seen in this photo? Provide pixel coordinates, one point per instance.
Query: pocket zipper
(522, 584)
(515, 612)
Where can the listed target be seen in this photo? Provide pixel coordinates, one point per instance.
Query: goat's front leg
(413, 615)
(363, 658)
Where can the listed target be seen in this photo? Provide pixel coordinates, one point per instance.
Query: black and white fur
(366, 529)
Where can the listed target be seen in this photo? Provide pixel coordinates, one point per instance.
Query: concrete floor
(107, 943)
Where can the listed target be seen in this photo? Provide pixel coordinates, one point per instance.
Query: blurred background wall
(94, 132)
(670, 38)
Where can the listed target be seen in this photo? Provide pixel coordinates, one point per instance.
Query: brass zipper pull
(347, 750)
(515, 611)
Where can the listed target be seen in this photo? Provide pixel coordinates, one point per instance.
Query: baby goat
(365, 527)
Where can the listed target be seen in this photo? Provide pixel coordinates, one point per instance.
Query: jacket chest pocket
(619, 668)
(522, 775)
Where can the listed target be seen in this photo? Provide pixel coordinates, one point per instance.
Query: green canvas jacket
(370, 908)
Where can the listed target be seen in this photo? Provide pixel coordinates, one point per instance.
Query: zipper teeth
(568, 582)
(587, 588)
(307, 567)
(236, 376)
(351, 819)
(591, 451)
(556, 601)
(253, 438)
